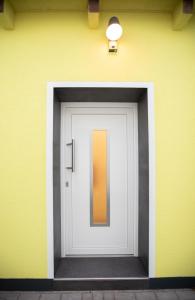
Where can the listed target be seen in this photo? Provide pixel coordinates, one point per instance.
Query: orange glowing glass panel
(99, 182)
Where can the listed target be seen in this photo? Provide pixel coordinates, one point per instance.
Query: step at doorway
(100, 267)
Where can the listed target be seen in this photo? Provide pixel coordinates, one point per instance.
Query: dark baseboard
(79, 285)
(26, 284)
(172, 283)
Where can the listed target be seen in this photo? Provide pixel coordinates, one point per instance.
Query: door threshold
(100, 278)
(99, 255)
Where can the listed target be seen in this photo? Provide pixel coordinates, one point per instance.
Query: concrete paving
(185, 294)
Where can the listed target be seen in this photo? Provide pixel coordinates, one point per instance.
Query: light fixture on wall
(114, 32)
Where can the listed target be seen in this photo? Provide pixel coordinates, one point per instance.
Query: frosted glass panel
(99, 182)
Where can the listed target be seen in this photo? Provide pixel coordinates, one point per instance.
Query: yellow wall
(59, 47)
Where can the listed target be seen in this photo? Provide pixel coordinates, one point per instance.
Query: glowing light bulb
(114, 32)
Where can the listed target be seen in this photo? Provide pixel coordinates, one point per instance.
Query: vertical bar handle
(73, 155)
(72, 144)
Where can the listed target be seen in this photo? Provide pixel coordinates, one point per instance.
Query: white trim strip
(152, 182)
(100, 104)
(83, 84)
(152, 167)
(49, 181)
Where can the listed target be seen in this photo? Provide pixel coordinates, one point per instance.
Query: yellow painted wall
(59, 47)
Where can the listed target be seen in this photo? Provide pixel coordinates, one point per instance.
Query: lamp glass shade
(114, 30)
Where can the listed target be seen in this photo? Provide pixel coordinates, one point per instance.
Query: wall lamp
(114, 32)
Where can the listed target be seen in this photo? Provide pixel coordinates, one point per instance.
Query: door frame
(101, 105)
(49, 164)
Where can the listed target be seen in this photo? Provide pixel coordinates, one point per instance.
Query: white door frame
(49, 164)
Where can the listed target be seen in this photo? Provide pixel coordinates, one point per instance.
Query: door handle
(72, 144)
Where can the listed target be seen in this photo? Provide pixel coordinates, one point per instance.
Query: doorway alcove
(138, 95)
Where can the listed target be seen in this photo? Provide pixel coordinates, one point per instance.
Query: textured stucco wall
(60, 47)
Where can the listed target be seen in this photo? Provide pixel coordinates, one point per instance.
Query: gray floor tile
(166, 295)
(186, 294)
(30, 296)
(97, 295)
(9, 296)
(87, 296)
(71, 296)
(109, 296)
(124, 296)
(146, 295)
(50, 296)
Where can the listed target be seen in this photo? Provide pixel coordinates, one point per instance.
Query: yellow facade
(60, 47)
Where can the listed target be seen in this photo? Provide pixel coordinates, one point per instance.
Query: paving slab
(9, 296)
(109, 295)
(97, 295)
(145, 295)
(50, 296)
(71, 296)
(185, 294)
(29, 296)
(124, 296)
(87, 296)
(166, 295)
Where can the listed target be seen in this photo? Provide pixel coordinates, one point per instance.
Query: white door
(99, 179)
